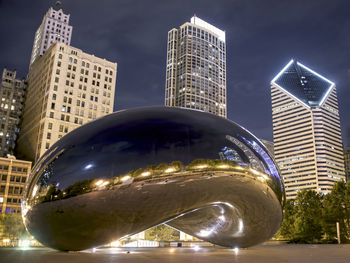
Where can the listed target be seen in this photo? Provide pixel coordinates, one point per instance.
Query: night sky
(261, 37)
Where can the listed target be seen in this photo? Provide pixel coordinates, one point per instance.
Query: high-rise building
(66, 88)
(306, 128)
(196, 67)
(347, 162)
(54, 28)
(13, 176)
(12, 95)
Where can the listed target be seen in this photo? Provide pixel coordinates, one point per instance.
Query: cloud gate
(134, 169)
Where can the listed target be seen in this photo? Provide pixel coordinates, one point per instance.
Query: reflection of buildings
(13, 175)
(306, 128)
(268, 145)
(66, 88)
(12, 95)
(347, 162)
(196, 67)
(54, 28)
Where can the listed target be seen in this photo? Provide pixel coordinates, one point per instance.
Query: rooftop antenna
(58, 5)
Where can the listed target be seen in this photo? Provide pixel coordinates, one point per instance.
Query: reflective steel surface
(138, 168)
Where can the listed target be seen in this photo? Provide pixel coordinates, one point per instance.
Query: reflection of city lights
(125, 178)
(146, 173)
(223, 166)
(172, 250)
(115, 244)
(205, 233)
(222, 218)
(35, 189)
(169, 170)
(202, 166)
(236, 250)
(239, 168)
(196, 247)
(88, 166)
(240, 226)
(99, 182)
(105, 183)
(6, 240)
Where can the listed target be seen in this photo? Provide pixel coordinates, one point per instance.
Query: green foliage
(312, 218)
(12, 227)
(337, 209)
(308, 217)
(162, 233)
(287, 228)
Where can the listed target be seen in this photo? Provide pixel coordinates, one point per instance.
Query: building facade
(54, 28)
(12, 95)
(13, 175)
(66, 88)
(196, 68)
(306, 128)
(347, 162)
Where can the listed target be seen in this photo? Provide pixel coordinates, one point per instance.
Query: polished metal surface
(138, 168)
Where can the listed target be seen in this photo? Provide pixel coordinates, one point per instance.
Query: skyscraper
(306, 128)
(66, 88)
(12, 94)
(54, 28)
(196, 67)
(13, 176)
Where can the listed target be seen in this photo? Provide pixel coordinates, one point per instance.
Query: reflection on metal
(135, 169)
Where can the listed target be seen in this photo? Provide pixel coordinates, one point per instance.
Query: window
(48, 136)
(50, 126)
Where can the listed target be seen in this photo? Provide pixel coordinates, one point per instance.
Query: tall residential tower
(12, 95)
(54, 28)
(306, 129)
(196, 68)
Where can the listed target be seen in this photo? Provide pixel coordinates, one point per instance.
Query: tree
(287, 229)
(308, 217)
(337, 209)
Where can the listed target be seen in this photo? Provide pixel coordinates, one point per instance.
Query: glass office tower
(306, 129)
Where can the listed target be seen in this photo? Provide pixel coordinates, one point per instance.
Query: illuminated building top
(304, 84)
(199, 22)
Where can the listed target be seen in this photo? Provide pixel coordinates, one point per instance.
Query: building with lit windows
(54, 28)
(13, 176)
(196, 67)
(66, 88)
(306, 128)
(347, 162)
(12, 95)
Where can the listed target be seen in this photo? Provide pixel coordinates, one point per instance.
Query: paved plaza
(261, 254)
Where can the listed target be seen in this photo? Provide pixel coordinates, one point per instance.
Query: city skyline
(259, 40)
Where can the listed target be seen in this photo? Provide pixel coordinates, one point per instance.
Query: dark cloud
(262, 36)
